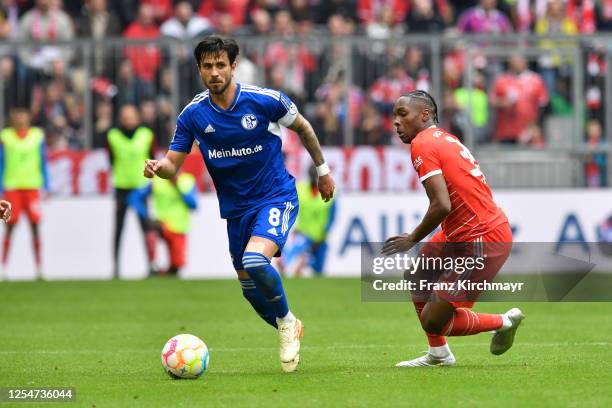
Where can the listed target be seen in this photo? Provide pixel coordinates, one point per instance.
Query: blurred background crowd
(535, 78)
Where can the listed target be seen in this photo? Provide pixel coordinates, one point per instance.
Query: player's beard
(223, 88)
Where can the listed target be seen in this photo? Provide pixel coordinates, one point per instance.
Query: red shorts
(176, 246)
(492, 248)
(24, 200)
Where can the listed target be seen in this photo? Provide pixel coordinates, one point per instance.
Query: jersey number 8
(274, 218)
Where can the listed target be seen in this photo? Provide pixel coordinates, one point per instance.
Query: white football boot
(290, 334)
(429, 361)
(502, 339)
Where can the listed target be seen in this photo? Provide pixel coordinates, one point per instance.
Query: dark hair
(215, 45)
(427, 100)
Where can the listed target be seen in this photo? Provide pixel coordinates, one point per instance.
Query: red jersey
(473, 211)
(528, 93)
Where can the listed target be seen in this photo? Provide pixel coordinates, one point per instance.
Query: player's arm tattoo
(309, 139)
(439, 206)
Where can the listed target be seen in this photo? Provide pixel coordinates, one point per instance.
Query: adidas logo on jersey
(209, 129)
(273, 231)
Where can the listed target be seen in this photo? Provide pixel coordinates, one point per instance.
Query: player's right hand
(5, 210)
(151, 167)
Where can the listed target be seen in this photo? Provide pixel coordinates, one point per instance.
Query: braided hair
(427, 100)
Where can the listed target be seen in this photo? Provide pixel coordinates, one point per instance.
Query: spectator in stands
(44, 23)
(596, 160)
(268, 6)
(103, 122)
(149, 118)
(185, 26)
(224, 25)
(162, 9)
(388, 89)
(300, 10)
(6, 32)
(337, 103)
(261, 23)
(127, 10)
(519, 97)
(555, 22)
(329, 8)
(98, 23)
(129, 145)
(290, 63)
(48, 104)
(371, 131)
(9, 13)
(131, 89)
(424, 17)
(334, 56)
(368, 10)
(11, 87)
(214, 9)
(145, 59)
(604, 15)
(484, 18)
(414, 63)
(384, 25)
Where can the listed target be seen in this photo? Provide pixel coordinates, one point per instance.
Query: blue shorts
(272, 221)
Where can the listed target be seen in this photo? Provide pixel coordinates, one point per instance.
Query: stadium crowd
(510, 99)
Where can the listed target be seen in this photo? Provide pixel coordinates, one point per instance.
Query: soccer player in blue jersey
(237, 128)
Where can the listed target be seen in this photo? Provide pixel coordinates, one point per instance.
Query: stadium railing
(95, 73)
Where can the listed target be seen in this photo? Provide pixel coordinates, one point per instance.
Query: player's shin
(258, 301)
(268, 280)
(438, 347)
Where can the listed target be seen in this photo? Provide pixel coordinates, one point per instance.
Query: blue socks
(267, 281)
(258, 301)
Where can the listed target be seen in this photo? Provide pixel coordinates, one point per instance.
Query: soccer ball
(185, 356)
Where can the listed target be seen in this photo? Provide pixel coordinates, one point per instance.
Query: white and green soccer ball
(185, 356)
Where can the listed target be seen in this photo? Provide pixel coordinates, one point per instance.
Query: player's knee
(254, 262)
(432, 326)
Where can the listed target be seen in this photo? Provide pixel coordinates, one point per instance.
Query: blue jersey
(241, 146)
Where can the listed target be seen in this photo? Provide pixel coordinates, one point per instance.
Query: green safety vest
(22, 159)
(479, 107)
(314, 213)
(168, 203)
(129, 156)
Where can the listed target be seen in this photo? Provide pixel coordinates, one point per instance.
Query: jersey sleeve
(425, 159)
(283, 111)
(183, 134)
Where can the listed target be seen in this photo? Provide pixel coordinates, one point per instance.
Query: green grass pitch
(104, 339)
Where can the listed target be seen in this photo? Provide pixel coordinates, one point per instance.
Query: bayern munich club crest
(249, 121)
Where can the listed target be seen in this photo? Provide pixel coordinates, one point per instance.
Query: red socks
(465, 322)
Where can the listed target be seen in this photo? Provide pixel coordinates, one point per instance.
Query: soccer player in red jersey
(461, 201)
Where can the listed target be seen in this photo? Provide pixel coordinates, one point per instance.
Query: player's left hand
(5, 210)
(327, 186)
(399, 243)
